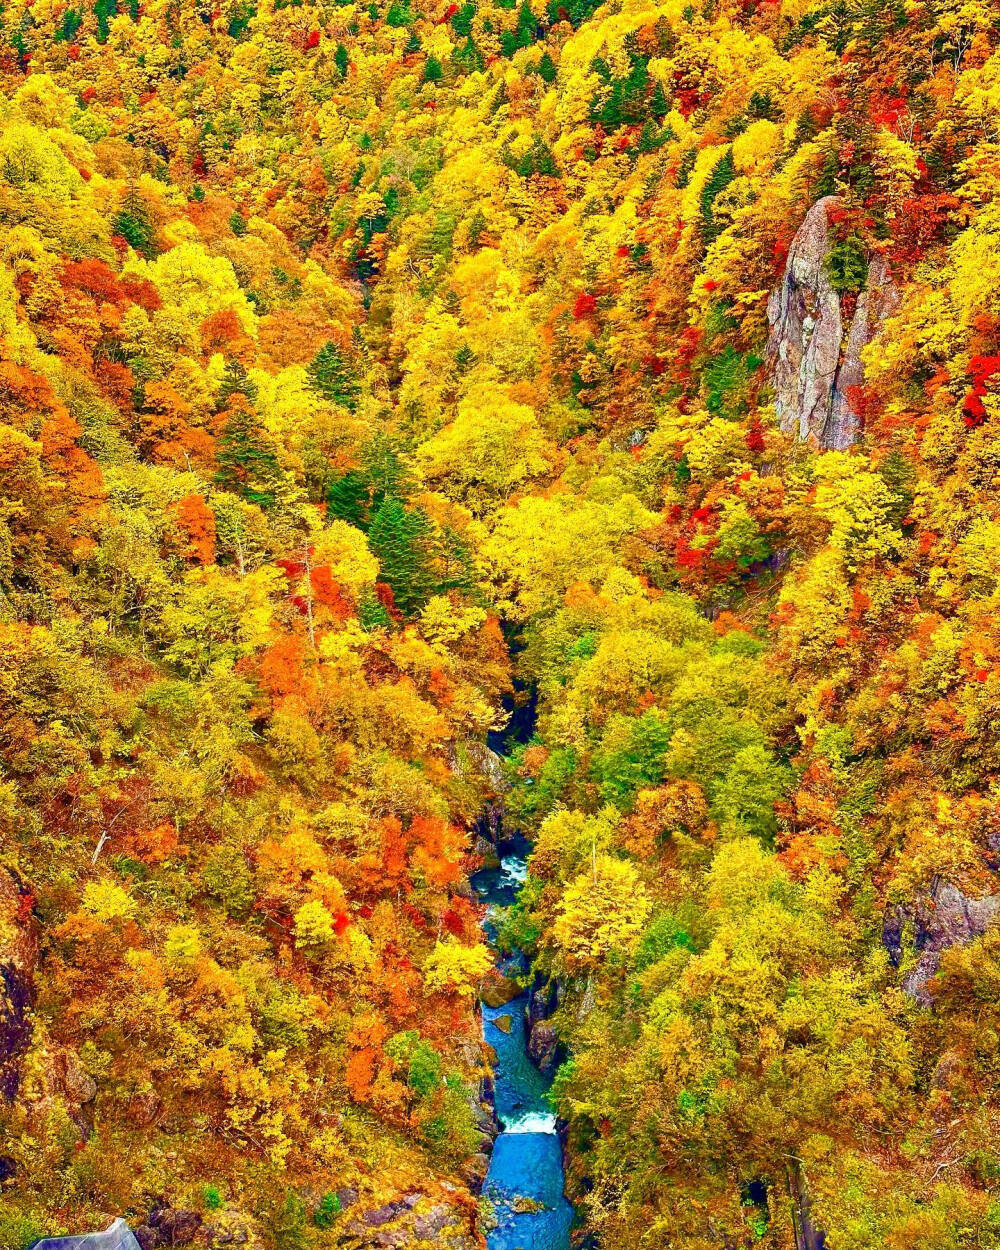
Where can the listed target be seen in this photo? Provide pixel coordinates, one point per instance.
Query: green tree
(348, 497)
(134, 224)
(247, 464)
(401, 539)
(332, 376)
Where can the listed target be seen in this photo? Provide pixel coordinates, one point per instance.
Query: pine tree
(340, 59)
(401, 539)
(461, 21)
(348, 497)
(432, 70)
(234, 382)
(134, 224)
(333, 378)
(659, 105)
(247, 463)
(547, 68)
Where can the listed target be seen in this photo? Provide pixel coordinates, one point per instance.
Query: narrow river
(525, 1180)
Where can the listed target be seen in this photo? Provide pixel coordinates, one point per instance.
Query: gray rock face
(806, 330)
(879, 300)
(947, 918)
(543, 1047)
(814, 372)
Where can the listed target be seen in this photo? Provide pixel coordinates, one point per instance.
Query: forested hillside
(364, 368)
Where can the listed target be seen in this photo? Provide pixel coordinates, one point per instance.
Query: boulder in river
(498, 990)
(543, 1047)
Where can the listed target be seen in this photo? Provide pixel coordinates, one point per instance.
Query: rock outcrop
(947, 917)
(879, 300)
(815, 374)
(168, 1226)
(543, 1047)
(413, 1220)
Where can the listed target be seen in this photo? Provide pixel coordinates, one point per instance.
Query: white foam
(532, 1122)
(514, 869)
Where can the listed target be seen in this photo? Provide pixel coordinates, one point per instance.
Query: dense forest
(370, 373)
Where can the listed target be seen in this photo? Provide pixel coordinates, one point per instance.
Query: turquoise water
(526, 1169)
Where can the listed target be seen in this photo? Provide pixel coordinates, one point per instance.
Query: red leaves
(142, 292)
(94, 277)
(453, 923)
(221, 331)
(886, 110)
(312, 39)
(329, 594)
(340, 923)
(973, 410)
(584, 306)
(921, 221)
(754, 439)
(981, 370)
(280, 671)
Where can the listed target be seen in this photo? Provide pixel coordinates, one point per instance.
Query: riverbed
(525, 1180)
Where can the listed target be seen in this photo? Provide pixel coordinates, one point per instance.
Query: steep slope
(345, 348)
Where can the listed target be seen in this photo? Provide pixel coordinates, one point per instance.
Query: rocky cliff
(816, 373)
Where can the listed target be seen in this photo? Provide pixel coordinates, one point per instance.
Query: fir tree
(246, 460)
(134, 224)
(401, 539)
(333, 378)
(659, 105)
(348, 497)
(461, 21)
